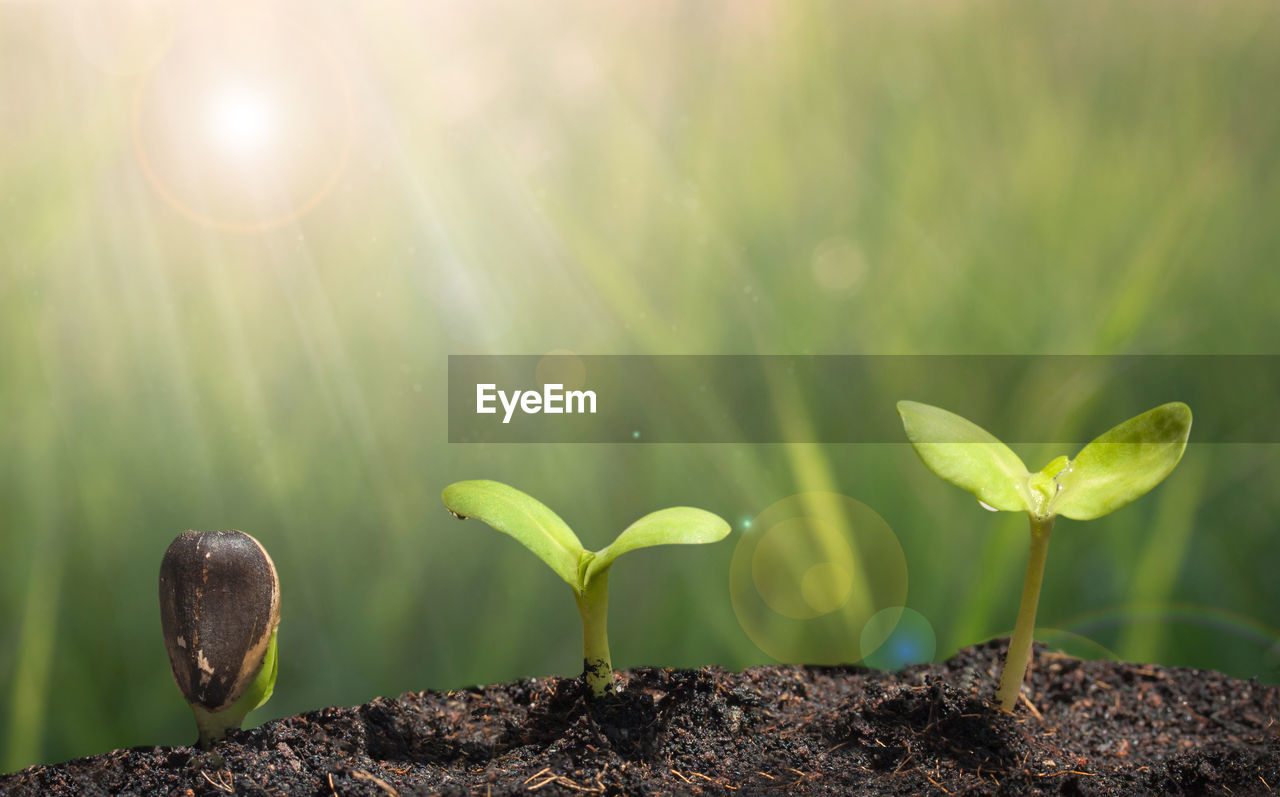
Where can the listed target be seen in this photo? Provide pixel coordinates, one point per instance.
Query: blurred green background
(235, 250)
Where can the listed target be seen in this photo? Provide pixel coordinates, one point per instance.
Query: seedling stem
(593, 605)
(1015, 662)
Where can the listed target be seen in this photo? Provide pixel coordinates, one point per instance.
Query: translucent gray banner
(1065, 399)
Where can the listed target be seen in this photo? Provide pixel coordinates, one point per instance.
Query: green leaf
(1124, 463)
(522, 516)
(681, 525)
(966, 455)
(264, 684)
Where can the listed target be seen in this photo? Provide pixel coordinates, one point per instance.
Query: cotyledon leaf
(680, 525)
(522, 516)
(264, 684)
(1124, 463)
(966, 455)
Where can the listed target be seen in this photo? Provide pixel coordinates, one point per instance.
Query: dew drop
(455, 514)
(987, 506)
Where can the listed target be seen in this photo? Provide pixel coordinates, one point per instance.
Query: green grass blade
(522, 516)
(37, 641)
(1163, 561)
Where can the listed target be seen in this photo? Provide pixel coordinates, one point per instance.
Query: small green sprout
(1114, 469)
(543, 532)
(219, 608)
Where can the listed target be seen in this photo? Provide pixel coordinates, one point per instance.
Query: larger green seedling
(1108, 473)
(543, 532)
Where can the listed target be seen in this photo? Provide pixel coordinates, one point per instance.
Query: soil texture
(1083, 727)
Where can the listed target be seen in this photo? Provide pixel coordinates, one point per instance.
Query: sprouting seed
(219, 608)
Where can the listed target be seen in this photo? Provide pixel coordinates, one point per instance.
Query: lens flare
(246, 123)
(1186, 635)
(897, 637)
(123, 37)
(561, 367)
(242, 121)
(810, 572)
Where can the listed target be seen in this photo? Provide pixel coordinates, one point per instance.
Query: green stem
(213, 725)
(1015, 662)
(593, 605)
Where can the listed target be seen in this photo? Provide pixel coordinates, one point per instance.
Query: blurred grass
(998, 177)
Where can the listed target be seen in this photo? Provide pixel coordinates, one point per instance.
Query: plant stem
(1016, 660)
(213, 726)
(593, 605)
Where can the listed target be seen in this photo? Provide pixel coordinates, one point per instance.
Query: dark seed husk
(219, 602)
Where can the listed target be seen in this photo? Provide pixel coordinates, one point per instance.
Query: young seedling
(219, 608)
(1114, 469)
(543, 532)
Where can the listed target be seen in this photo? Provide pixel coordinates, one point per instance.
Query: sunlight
(246, 123)
(242, 121)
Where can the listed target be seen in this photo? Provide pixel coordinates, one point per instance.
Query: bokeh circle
(897, 637)
(561, 367)
(123, 37)
(809, 573)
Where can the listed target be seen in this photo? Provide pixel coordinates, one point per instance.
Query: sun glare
(242, 121)
(246, 122)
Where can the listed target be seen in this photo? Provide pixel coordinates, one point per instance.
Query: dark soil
(1086, 728)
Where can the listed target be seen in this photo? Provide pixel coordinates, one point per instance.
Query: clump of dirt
(1084, 727)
